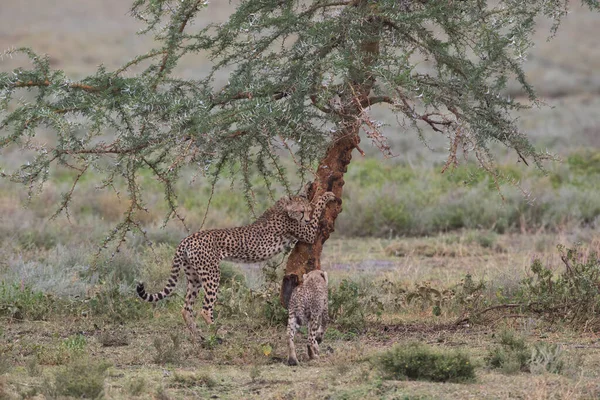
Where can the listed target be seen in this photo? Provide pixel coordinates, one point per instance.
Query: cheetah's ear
(324, 275)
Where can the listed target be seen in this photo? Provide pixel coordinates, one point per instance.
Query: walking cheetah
(308, 305)
(290, 219)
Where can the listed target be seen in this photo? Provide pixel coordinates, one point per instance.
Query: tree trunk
(330, 174)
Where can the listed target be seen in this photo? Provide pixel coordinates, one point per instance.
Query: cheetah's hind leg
(193, 286)
(210, 283)
(291, 332)
(313, 346)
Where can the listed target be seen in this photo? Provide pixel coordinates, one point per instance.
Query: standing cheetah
(308, 306)
(290, 219)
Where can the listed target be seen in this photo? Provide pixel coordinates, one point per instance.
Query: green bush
(184, 379)
(274, 312)
(345, 305)
(573, 295)
(75, 343)
(546, 357)
(115, 306)
(511, 355)
(419, 362)
(22, 302)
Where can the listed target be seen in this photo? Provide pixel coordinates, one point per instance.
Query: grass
(243, 355)
(418, 362)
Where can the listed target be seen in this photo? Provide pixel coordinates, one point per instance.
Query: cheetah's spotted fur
(289, 220)
(308, 306)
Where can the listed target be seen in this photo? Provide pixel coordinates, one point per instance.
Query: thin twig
(485, 310)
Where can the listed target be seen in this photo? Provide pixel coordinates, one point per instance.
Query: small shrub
(418, 362)
(54, 355)
(81, 379)
(190, 379)
(75, 343)
(334, 334)
(37, 239)
(274, 312)
(168, 353)
(486, 239)
(211, 340)
(136, 386)
(255, 373)
(572, 296)
(161, 394)
(235, 301)
(426, 296)
(117, 307)
(118, 268)
(350, 303)
(546, 358)
(22, 302)
(33, 367)
(511, 355)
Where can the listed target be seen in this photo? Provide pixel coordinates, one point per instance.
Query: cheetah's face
(299, 210)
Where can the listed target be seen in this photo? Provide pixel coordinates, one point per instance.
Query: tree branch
(46, 83)
(370, 101)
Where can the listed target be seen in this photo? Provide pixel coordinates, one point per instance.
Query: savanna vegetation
(441, 285)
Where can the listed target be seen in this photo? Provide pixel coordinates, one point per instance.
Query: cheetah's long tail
(166, 291)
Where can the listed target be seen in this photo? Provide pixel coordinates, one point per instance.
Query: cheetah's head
(316, 274)
(299, 209)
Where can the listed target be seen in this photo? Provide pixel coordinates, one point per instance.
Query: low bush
(136, 386)
(115, 306)
(350, 303)
(273, 311)
(573, 295)
(419, 362)
(189, 379)
(22, 302)
(168, 353)
(75, 343)
(546, 357)
(512, 354)
(80, 379)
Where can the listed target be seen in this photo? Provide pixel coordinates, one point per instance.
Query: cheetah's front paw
(204, 314)
(329, 196)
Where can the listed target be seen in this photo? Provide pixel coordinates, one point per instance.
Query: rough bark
(306, 257)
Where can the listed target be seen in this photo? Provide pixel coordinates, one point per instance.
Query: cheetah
(308, 305)
(289, 220)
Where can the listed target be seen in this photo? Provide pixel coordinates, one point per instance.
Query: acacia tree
(302, 78)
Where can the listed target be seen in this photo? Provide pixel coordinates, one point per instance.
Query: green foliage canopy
(291, 66)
